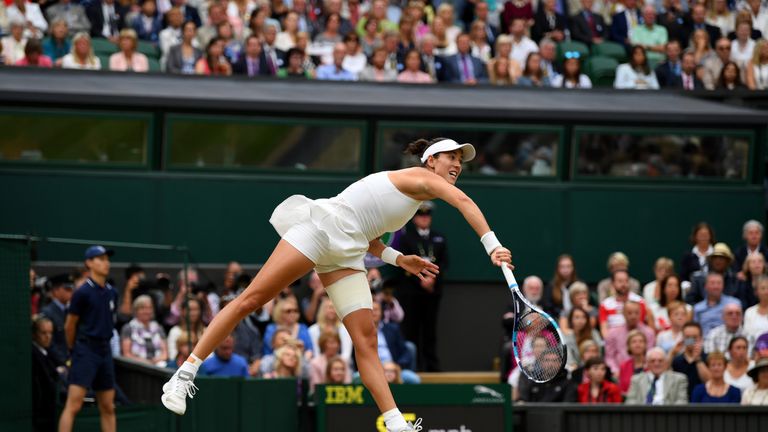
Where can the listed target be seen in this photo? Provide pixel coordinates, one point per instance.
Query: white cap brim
(446, 145)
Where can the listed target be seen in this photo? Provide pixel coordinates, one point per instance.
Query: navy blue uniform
(92, 365)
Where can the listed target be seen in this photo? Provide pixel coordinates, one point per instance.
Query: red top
(609, 393)
(626, 372)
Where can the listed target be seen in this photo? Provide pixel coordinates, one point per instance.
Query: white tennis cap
(467, 150)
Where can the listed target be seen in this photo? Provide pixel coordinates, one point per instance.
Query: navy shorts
(92, 366)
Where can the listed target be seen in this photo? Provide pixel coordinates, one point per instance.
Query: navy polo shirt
(95, 305)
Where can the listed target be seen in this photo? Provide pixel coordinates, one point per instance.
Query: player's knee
(107, 407)
(367, 342)
(247, 303)
(74, 405)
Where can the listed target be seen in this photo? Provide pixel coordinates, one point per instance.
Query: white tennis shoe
(411, 427)
(176, 390)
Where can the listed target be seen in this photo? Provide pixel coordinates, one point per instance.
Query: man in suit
(45, 377)
(548, 23)
(275, 57)
(61, 292)
(672, 18)
(697, 19)
(668, 73)
(658, 386)
(190, 12)
(588, 27)
(753, 243)
(432, 64)
(421, 298)
(481, 14)
(462, 67)
(107, 18)
(252, 61)
(624, 22)
(688, 79)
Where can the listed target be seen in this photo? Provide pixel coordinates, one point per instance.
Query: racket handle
(508, 275)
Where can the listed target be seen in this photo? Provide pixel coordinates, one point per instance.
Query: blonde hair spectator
(81, 56)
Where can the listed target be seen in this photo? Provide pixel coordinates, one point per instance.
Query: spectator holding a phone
(692, 362)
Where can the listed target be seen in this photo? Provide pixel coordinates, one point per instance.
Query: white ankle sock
(394, 420)
(191, 365)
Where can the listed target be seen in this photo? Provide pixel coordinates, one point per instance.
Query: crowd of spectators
(697, 333)
(689, 45)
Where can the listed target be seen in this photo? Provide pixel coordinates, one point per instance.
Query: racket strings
(540, 352)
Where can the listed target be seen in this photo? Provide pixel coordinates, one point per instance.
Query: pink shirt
(417, 77)
(138, 62)
(42, 61)
(616, 345)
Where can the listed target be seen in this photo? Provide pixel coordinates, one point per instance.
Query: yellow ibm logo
(381, 427)
(336, 395)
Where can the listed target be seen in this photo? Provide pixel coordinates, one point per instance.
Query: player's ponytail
(418, 147)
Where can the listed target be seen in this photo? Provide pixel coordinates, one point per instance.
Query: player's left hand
(418, 266)
(502, 255)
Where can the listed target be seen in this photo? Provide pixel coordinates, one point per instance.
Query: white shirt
(355, 63)
(584, 82)
(754, 323)
(658, 396)
(743, 382)
(742, 54)
(284, 41)
(761, 76)
(13, 50)
(33, 15)
(628, 78)
(703, 258)
(520, 50)
(107, 11)
(68, 62)
(170, 37)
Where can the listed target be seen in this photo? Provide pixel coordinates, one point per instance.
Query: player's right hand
(502, 255)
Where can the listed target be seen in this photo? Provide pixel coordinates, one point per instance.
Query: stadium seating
(610, 49)
(601, 70)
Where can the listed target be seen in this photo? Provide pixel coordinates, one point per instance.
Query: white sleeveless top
(379, 206)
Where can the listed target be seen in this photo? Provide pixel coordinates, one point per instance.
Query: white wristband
(490, 242)
(390, 255)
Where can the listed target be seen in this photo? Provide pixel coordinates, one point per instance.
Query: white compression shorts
(350, 293)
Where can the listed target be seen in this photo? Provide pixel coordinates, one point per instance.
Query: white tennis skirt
(324, 230)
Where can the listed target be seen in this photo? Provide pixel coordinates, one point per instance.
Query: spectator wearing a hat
(616, 261)
(89, 327)
(709, 312)
(718, 338)
(61, 293)
(757, 395)
(421, 298)
(702, 238)
(752, 233)
(719, 261)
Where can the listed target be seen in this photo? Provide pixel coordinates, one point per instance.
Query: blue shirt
(329, 72)
(95, 307)
(385, 355)
(700, 395)
(234, 367)
(711, 316)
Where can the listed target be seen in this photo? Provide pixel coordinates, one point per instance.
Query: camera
(689, 341)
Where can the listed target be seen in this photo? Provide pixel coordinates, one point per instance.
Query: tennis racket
(538, 344)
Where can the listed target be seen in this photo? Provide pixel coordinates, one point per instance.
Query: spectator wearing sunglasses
(572, 76)
(714, 65)
(650, 36)
(636, 74)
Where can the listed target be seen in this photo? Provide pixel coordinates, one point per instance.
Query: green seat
(103, 46)
(602, 71)
(104, 59)
(148, 49)
(610, 49)
(564, 47)
(154, 64)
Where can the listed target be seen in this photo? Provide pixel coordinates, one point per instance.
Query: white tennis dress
(334, 233)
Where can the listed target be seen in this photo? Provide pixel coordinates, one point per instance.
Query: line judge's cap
(467, 149)
(96, 250)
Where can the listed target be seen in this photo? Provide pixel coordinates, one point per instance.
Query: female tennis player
(333, 236)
